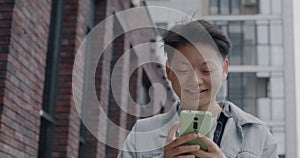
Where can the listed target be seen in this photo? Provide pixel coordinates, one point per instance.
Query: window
(144, 96)
(82, 140)
(249, 2)
(114, 111)
(144, 90)
(273, 7)
(255, 42)
(227, 7)
(242, 35)
(91, 16)
(133, 84)
(49, 95)
(86, 85)
(261, 94)
(246, 89)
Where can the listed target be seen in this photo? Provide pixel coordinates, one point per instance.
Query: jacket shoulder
(150, 123)
(241, 117)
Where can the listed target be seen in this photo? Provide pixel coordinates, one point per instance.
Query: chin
(192, 105)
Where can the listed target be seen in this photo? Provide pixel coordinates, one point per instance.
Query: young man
(196, 66)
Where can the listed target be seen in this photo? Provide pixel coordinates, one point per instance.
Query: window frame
(47, 113)
(83, 129)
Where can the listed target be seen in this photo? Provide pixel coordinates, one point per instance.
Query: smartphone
(195, 122)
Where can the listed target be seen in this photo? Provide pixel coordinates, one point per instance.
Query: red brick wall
(66, 136)
(117, 115)
(114, 112)
(94, 147)
(23, 54)
(134, 85)
(24, 29)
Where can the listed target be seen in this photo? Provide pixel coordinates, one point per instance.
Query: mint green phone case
(188, 119)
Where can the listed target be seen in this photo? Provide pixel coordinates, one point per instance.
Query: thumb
(211, 145)
(171, 133)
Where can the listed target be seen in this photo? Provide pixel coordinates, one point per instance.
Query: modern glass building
(261, 75)
(256, 78)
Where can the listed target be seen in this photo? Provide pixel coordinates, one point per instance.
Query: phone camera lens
(195, 125)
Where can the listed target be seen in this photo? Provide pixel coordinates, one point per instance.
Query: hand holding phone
(195, 122)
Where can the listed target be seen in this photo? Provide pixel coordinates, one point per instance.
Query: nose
(196, 78)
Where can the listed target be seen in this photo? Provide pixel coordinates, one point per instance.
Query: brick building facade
(38, 44)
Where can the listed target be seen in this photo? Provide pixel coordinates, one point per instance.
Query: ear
(225, 68)
(168, 70)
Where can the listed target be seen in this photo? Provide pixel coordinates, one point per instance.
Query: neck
(213, 107)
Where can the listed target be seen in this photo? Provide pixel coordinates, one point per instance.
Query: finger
(201, 153)
(171, 133)
(186, 156)
(211, 146)
(185, 149)
(182, 140)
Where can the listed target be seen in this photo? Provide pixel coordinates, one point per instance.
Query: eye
(182, 71)
(207, 70)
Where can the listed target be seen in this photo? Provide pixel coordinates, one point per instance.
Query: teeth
(195, 91)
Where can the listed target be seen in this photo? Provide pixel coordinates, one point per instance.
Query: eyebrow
(182, 62)
(208, 62)
(187, 63)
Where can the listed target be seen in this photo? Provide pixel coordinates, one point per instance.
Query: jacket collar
(239, 116)
(231, 143)
(169, 119)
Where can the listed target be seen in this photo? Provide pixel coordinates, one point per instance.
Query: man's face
(196, 75)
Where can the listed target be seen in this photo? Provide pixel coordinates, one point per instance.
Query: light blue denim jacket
(244, 136)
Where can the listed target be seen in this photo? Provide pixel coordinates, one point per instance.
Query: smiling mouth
(196, 92)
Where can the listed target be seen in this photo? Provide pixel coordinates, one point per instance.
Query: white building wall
(296, 11)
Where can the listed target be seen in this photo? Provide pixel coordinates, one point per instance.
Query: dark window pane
(50, 85)
(86, 80)
(235, 6)
(236, 39)
(46, 139)
(214, 7)
(249, 7)
(224, 7)
(245, 89)
(249, 55)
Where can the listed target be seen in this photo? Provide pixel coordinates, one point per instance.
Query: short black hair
(199, 31)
